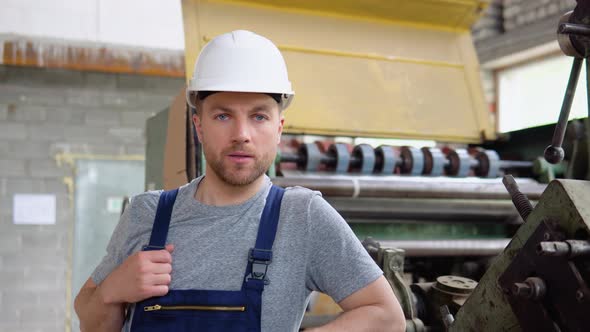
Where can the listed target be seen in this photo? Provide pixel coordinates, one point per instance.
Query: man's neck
(213, 191)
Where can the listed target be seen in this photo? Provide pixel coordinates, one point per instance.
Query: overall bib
(211, 310)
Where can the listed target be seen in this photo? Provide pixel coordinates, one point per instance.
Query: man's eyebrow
(221, 108)
(261, 108)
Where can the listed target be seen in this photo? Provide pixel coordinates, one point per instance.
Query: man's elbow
(80, 303)
(392, 319)
(397, 323)
(391, 314)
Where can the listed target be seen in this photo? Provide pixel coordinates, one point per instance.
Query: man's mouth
(240, 156)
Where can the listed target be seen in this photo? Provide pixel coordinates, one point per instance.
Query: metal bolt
(446, 316)
(522, 290)
(553, 248)
(580, 295)
(567, 248)
(533, 288)
(520, 200)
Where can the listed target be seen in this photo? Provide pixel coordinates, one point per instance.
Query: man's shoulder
(298, 193)
(146, 200)
(297, 200)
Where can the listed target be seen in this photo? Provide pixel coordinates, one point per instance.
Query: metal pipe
(406, 186)
(407, 210)
(515, 164)
(422, 248)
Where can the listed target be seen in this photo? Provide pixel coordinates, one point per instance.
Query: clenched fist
(142, 275)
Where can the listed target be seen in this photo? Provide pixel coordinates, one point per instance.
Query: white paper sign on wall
(34, 209)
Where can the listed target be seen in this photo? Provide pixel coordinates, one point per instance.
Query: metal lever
(573, 29)
(554, 153)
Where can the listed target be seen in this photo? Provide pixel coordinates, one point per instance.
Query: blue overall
(211, 310)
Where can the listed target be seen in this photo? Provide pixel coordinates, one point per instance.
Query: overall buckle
(259, 260)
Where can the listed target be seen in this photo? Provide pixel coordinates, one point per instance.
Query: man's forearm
(97, 315)
(366, 318)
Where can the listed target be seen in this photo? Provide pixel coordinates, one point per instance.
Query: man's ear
(281, 123)
(197, 124)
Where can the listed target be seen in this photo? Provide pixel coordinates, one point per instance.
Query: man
(220, 271)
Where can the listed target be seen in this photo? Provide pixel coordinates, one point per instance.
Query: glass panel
(101, 186)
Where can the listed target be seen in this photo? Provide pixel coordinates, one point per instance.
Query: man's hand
(142, 275)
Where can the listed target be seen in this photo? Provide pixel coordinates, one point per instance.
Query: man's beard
(235, 175)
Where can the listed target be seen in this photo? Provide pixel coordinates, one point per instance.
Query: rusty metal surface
(24, 51)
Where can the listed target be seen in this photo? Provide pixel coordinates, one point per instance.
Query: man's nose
(241, 132)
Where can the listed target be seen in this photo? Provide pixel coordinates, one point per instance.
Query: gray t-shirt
(314, 249)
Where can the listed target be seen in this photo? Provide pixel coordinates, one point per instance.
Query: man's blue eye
(260, 117)
(222, 117)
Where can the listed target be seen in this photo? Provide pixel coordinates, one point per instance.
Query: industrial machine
(388, 70)
(433, 217)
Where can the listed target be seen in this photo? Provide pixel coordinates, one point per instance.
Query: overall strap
(162, 220)
(261, 255)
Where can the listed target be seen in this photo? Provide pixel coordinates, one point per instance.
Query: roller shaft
(449, 247)
(407, 187)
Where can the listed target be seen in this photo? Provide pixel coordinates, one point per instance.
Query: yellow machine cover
(373, 68)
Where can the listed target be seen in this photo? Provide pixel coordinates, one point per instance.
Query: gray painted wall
(43, 113)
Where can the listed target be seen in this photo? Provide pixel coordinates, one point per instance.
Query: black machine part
(547, 292)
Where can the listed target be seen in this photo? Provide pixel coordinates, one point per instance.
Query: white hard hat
(241, 61)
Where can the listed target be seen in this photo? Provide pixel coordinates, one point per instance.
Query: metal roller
(412, 160)
(363, 159)
(309, 157)
(340, 158)
(434, 161)
(488, 164)
(408, 187)
(385, 160)
(371, 210)
(459, 163)
(449, 247)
